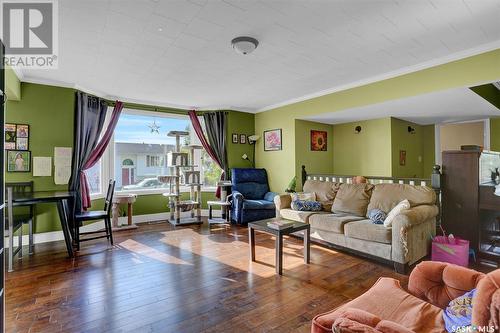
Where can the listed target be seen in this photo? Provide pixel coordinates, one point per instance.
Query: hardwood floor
(161, 279)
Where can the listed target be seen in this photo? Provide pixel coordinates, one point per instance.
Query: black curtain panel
(216, 128)
(90, 113)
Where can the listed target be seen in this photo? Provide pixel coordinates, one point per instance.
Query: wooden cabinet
(471, 210)
(460, 195)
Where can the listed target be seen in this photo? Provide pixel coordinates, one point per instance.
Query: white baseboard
(54, 236)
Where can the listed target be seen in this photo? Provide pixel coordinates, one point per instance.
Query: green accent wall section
(240, 123)
(489, 92)
(413, 144)
(495, 134)
(49, 112)
(466, 72)
(12, 85)
(315, 161)
(367, 153)
(429, 141)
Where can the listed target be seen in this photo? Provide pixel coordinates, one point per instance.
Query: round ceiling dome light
(244, 45)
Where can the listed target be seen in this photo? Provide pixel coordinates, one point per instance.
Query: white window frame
(108, 160)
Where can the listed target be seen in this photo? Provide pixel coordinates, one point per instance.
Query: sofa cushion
(258, 204)
(366, 230)
(332, 222)
(353, 199)
(325, 191)
(387, 300)
(296, 215)
(386, 196)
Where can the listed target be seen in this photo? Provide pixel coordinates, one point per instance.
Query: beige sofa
(343, 221)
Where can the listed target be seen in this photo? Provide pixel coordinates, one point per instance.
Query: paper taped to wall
(62, 164)
(42, 166)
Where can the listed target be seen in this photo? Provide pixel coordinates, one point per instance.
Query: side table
(128, 199)
(225, 208)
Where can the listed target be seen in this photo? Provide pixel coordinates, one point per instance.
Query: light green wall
(240, 123)
(49, 112)
(413, 144)
(367, 153)
(280, 165)
(429, 150)
(12, 84)
(315, 161)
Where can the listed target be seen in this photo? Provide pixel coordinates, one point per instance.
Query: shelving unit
(184, 174)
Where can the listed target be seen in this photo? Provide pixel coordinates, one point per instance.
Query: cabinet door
(460, 195)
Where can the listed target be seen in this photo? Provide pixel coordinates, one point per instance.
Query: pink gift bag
(452, 250)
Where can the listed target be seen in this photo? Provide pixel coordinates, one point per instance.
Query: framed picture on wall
(22, 144)
(272, 140)
(402, 157)
(22, 131)
(319, 140)
(234, 138)
(10, 136)
(243, 138)
(18, 161)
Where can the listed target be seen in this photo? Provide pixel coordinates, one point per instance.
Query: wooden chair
(96, 215)
(15, 222)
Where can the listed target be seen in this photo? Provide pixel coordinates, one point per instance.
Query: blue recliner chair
(252, 199)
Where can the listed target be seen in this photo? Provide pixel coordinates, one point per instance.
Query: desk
(61, 198)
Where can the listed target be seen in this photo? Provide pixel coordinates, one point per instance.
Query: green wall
(367, 153)
(429, 150)
(12, 84)
(492, 95)
(240, 123)
(413, 144)
(315, 161)
(49, 112)
(466, 72)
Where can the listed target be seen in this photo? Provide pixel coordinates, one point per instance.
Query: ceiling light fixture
(244, 45)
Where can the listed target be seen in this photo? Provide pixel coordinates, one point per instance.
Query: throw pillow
(377, 216)
(306, 205)
(458, 314)
(403, 205)
(304, 196)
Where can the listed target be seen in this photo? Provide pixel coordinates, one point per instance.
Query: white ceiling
(115, 48)
(454, 105)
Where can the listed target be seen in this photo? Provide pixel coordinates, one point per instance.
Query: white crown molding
(406, 70)
(103, 94)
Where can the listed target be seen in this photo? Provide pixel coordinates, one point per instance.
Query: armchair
(252, 199)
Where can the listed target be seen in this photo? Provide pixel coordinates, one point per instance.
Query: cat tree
(182, 162)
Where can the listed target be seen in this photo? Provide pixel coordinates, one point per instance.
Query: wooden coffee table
(296, 226)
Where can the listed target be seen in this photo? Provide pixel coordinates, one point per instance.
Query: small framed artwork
(243, 138)
(402, 157)
(10, 136)
(319, 140)
(22, 144)
(22, 131)
(272, 140)
(235, 138)
(18, 161)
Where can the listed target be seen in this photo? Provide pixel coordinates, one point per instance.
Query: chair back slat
(108, 202)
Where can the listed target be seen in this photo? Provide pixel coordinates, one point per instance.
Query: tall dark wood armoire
(471, 210)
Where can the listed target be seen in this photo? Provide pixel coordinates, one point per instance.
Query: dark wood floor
(191, 279)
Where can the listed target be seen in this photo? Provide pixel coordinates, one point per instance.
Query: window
(141, 145)
(94, 178)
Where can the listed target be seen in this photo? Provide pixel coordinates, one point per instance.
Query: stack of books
(280, 225)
